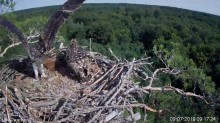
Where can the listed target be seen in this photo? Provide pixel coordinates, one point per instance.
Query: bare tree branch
(32, 35)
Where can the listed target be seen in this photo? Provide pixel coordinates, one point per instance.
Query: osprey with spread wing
(46, 40)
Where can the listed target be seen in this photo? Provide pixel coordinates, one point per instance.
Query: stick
(113, 54)
(6, 103)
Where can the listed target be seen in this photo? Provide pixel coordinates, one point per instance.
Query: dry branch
(32, 35)
(105, 95)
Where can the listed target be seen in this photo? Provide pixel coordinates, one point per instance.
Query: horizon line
(130, 4)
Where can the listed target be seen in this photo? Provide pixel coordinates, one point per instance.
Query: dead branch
(32, 35)
(108, 90)
(113, 54)
(6, 104)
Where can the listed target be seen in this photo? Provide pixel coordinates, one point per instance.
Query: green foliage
(6, 5)
(100, 32)
(36, 23)
(185, 40)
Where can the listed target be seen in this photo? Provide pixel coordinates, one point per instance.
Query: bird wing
(76, 53)
(13, 29)
(58, 18)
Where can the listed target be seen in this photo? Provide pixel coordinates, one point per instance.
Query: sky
(207, 6)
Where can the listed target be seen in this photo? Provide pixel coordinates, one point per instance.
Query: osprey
(37, 52)
(76, 53)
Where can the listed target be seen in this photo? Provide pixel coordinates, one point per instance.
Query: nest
(107, 92)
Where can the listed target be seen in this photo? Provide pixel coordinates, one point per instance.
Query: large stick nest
(103, 91)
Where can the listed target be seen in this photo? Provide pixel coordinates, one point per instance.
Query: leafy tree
(6, 5)
(185, 40)
(101, 33)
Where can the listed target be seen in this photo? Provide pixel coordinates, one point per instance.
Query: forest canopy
(184, 40)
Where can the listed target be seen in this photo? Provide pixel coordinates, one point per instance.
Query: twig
(10, 46)
(90, 44)
(107, 73)
(170, 88)
(44, 103)
(114, 55)
(6, 103)
(60, 110)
